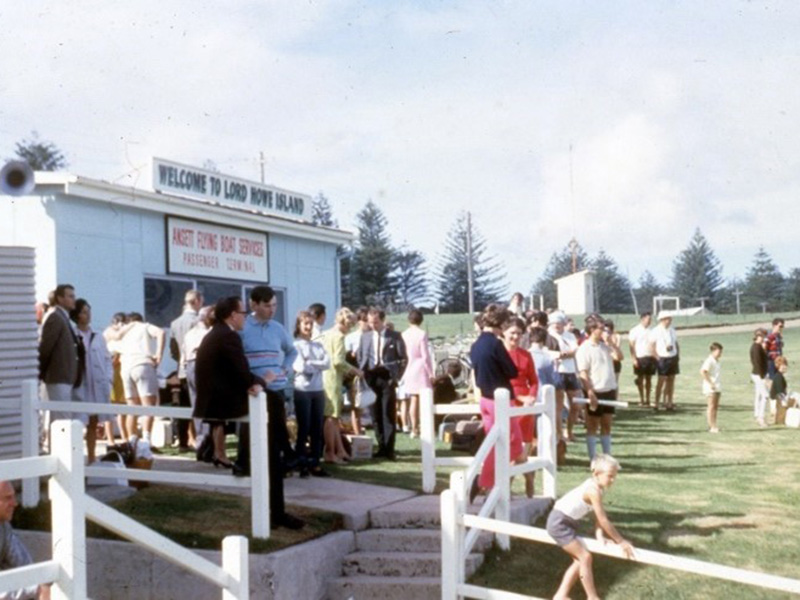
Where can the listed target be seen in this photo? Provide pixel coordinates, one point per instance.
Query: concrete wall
(123, 571)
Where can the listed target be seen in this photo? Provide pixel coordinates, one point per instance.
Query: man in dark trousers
(224, 381)
(59, 349)
(382, 356)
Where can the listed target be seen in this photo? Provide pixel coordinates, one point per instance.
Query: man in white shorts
(644, 365)
(141, 351)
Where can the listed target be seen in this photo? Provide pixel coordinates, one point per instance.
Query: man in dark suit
(224, 381)
(382, 356)
(59, 348)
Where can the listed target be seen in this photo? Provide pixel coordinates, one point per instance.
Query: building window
(163, 297)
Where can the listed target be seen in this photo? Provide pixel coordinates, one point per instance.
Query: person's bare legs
(355, 420)
(669, 390)
(559, 414)
(108, 429)
(583, 560)
(148, 420)
(639, 381)
(402, 409)
(572, 418)
(660, 384)
(91, 439)
(413, 414)
(711, 411)
(131, 428)
(218, 436)
(648, 387)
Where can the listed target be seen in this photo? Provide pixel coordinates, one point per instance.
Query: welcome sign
(199, 184)
(195, 248)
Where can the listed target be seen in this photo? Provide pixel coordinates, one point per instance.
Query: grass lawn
(194, 519)
(449, 326)
(729, 498)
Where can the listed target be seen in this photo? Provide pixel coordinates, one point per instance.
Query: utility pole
(261, 161)
(763, 306)
(470, 283)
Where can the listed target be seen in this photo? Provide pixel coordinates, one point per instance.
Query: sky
(626, 125)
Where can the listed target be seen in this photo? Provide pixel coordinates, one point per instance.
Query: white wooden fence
(460, 529)
(546, 442)
(258, 482)
(71, 507)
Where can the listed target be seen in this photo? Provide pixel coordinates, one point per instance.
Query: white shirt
(712, 367)
(666, 341)
(639, 336)
(566, 343)
(598, 363)
(572, 503)
(138, 345)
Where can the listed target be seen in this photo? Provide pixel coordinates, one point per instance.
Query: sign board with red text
(195, 248)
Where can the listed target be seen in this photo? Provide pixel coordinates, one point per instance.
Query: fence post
(546, 436)
(259, 466)
(502, 460)
(235, 563)
(29, 407)
(67, 494)
(428, 440)
(453, 506)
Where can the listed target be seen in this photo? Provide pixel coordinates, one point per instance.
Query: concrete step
(409, 540)
(385, 588)
(423, 512)
(401, 564)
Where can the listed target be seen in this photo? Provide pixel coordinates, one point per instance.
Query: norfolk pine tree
(697, 273)
(763, 283)
(489, 279)
(373, 259)
(41, 155)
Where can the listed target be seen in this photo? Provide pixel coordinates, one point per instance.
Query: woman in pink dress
(418, 374)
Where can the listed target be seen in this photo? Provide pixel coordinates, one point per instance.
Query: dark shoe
(474, 490)
(205, 452)
(290, 464)
(288, 521)
(240, 471)
(319, 472)
(304, 473)
(183, 449)
(221, 463)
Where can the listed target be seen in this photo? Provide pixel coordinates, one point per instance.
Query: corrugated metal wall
(18, 340)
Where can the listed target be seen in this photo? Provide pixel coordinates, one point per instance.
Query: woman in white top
(97, 373)
(309, 395)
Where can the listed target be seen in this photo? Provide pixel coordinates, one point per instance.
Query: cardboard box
(141, 463)
(361, 447)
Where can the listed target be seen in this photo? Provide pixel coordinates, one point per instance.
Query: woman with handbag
(333, 382)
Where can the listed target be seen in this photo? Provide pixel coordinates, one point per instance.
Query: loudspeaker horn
(16, 178)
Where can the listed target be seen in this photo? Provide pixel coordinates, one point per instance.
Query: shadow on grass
(650, 468)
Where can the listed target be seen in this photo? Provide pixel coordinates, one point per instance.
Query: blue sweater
(492, 365)
(268, 348)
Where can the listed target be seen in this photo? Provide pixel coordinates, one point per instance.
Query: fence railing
(71, 506)
(460, 529)
(258, 482)
(546, 443)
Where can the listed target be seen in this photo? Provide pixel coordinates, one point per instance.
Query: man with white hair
(664, 344)
(13, 553)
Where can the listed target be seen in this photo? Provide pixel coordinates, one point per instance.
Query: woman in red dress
(526, 386)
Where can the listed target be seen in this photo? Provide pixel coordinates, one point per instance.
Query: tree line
(697, 279)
